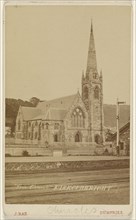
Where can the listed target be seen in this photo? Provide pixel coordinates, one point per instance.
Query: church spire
(91, 27)
(82, 74)
(91, 60)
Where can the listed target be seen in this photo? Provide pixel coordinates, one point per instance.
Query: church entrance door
(55, 138)
(78, 137)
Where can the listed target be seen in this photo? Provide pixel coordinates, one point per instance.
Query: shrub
(106, 152)
(7, 155)
(25, 153)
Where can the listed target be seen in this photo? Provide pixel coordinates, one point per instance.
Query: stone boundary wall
(80, 148)
(32, 151)
(53, 145)
(42, 151)
(25, 146)
(34, 167)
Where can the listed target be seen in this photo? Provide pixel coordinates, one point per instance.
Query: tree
(34, 101)
(25, 153)
(108, 134)
(11, 110)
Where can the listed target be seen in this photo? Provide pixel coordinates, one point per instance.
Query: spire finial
(82, 74)
(101, 73)
(91, 25)
(91, 59)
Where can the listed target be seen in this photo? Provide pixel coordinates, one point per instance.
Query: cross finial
(91, 25)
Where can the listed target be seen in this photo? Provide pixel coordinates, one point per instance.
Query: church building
(75, 118)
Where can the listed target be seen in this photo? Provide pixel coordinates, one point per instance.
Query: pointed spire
(78, 93)
(91, 60)
(91, 27)
(101, 75)
(82, 74)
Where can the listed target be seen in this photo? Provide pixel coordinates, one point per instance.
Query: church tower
(92, 94)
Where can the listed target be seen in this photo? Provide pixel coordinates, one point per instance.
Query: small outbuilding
(124, 141)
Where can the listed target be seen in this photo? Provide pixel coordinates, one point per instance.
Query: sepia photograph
(68, 104)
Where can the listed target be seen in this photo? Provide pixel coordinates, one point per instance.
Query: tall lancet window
(94, 75)
(96, 92)
(78, 118)
(39, 131)
(86, 93)
(19, 125)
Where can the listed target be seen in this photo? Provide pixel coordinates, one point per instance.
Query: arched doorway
(97, 138)
(78, 137)
(55, 138)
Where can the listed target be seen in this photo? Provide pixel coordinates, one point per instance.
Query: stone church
(70, 119)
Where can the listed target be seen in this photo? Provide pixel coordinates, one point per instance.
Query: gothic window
(19, 125)
(32, 132)
(35, 135)
(94, 75)
(39, 131)
(29, 135)
(36, 123)
(86, 93)
(97, 138)
(47, 126)
(96, 92)
(56, 126)
(25, 130)
(78, 137)
(121, 145)
(42, 125)
(56, 138)
(77, 118)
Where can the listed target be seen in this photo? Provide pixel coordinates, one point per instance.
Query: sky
(46, 50)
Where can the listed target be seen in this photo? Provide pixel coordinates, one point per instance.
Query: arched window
(19, 125)
(36, 123)
(47, 125)
(94, 75)
(42, 125)
(32, 132)
(56, 126)
(97, 138)
(29, 124)
(56, 138)
(29, 135)
(39, 131)
(36, 135)
(96, 92)
(77, 118)
(121, 145)
(86, 93)
(78, 137)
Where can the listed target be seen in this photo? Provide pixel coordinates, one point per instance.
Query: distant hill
(110, 115)
(12, 106)
(11, 109)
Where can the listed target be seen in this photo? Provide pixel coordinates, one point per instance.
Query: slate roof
(30, 112)
(121, 130)
(60, 103)
(55, 109)
(56, 114)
